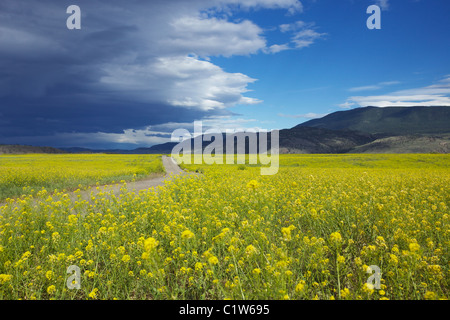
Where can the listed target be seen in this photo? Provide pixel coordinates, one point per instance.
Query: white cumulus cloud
(437, 94)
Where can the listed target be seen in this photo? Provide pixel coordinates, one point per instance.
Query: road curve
(171, 167)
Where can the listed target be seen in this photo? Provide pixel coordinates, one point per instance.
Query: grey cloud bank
(131, 65)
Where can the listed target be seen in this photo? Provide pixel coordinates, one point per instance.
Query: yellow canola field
(28, 174)
(230, 233)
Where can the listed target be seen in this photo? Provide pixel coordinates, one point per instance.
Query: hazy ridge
(360, 130)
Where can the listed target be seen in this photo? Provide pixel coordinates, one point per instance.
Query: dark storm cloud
(129, 67)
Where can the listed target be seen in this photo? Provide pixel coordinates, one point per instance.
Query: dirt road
(171, 167)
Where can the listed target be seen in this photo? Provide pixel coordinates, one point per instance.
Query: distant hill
(370, 130)
(387, 121)
(320, 140)
(163, 148)
(361, 130)
(21, 149)
(295, 140)
(407, 144)
(77, 150)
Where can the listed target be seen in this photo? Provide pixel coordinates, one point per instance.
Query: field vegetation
(28, 174)
(308, 232)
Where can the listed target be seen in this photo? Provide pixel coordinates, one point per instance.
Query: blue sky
(137, 70)
(409, 52)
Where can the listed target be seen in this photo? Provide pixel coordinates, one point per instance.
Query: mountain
(395, 129)
(164, 148)
(320, 140)
(371, 130)
(361, 130)
(77, 150)
(295, 140)
(387, 121)
(21, 149)
(407, 144)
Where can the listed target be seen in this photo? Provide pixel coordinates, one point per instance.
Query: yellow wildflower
(336, 237)
(393, 259)
(150, 244)
(413, 247)
(213, 260)
(55, 236)
(250, 250)
(300, 286)
(49, 275)
(253, 184)
(287, 233)
(51, 289)
(187, 234)
(345, 293)
(93, 294)
(5, 278)
(430, 295)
